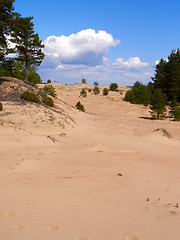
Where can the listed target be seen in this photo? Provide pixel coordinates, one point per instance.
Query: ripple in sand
(130, 237)
(19, 227)
(9, 214)
(53, 227)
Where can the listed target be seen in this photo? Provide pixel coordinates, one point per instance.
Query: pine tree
(160, 75)
(173, 75)
(28, 45)
(167, 76)
(6, 8)
(158, 104)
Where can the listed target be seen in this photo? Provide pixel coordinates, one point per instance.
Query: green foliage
(84, 81)
(34, 78)
(83, 93)
(89, 90)
(139, 94)
(18, 70)
(48, 81)
(158, 104)
(1, 107)
(167, 76)
(113, 87)
(176, 114)
(28, 45)
(31, 97)
(6, 67)
(80, 107)
(48, 101)
(105, 91)
(96, 90)
(42, 93)
(49, 89)
(96, 84)
(6, 16)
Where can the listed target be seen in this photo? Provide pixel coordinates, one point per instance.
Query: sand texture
(111, 173)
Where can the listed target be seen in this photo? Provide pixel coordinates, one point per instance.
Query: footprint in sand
(19, 227)
(53, 227)
(130, 237)
(7, 214)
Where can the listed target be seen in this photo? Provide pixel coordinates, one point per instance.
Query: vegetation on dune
(49, 89)
(83, 93)
(113, 87)
(31, 97)
(96, 90)
(105, 91)
(84, 81)
(1, 107)
(96, 84)
(80, 106)
(48, 81)
(158, 104)
(48, 101)
(139, 94)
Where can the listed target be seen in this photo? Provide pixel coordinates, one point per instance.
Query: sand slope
(101, 175)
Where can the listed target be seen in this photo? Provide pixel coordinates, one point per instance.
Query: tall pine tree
(158, 104)
(167, 76)
(6, 8)
(28, 45)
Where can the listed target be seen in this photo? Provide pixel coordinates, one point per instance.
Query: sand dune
(104, 174)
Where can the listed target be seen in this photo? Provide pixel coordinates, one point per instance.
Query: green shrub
(42, 93)
(80, 107)
(84, 81)
(139, 94)
(105, 91)
(31, 97)
(48, 81)
(83, 93)
(176, 114)
(89, 90)
(49, 89)
(96, 84)
(48, 101)
(113, 87)
(1, 107)
(96, 90)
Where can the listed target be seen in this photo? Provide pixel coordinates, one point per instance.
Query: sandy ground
(101, 175)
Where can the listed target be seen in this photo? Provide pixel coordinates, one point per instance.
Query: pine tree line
(163, 91)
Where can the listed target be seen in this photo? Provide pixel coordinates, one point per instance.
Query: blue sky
(105, 41)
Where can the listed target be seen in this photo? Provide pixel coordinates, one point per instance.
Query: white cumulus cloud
(131, 63)
(86, 47)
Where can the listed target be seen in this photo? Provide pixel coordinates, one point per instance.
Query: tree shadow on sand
(148, 118)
